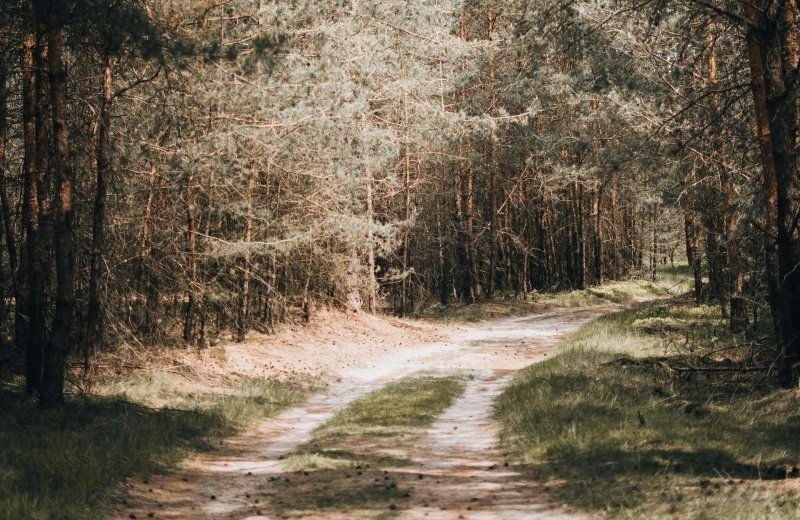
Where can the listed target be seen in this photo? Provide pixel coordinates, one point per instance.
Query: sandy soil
(456, 471)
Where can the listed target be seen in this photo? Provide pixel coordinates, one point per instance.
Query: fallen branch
(718, 369)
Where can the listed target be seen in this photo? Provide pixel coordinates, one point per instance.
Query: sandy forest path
(456, 469)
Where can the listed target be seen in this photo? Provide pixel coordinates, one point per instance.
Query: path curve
(461, 472)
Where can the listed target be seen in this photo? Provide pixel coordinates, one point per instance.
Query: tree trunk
(615, 242)
(191, 242)
(372, 290)
(692, 236)
(29, 318)
(490, 19)
(242, 322)
(444, 278)
(406, 216)
(598, 235)
(773, 54)
(94, 333)
(783, 102)
(5, 203)
(58, 347)
(654, 256)
(732, 275)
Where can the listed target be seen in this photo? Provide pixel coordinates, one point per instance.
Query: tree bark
(29, 318)
(654, 256)
(94, 333)
(490, 19)
(372, 290)
(58, 347)
(243, 322)
(191, 242)
(692, 237)
(773, 56)
(406, 215)
(5, 203)
(444, 275)
(598, 235)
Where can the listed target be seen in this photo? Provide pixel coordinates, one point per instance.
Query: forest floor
(658, 411)
(540, 411)
(439, 459)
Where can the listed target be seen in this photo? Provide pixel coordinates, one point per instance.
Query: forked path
(457, 470)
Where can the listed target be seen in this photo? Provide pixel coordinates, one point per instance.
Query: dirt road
(456, 469)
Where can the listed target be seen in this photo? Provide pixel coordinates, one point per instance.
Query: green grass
(66, 463)
(351, 461)
(372, 430)
(400, 407)
(613, 428)
(670, 282)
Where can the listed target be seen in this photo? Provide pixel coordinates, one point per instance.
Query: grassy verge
(65, 463)
(670, 282)
(615, 423)
(355, 459)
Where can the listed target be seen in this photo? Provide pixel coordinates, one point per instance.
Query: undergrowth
(621, 420)
(670, 282)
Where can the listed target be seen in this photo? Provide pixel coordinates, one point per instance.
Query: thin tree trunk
(406, 216)
(145, 278)
(5, 204)
(372, 291)
(58, 347)
(598, 235)
(191, 242)
(732, 277)
(654, 256)
(29, 312)
(692, 237)
(94, 333)
(242, 323)
(444, 278)
(490, 19)
(613, 231)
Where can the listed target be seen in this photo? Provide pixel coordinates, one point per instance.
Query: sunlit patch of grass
(399, 407)
(238, 401)
(373, 429)
(65, 463)
(615, 429)
(671, 281)
(351, 461)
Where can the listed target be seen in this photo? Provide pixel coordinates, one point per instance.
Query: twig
(719, 369)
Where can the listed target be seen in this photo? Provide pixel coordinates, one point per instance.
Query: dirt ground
(455, 468)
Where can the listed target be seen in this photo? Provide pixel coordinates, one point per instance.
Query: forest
(180, 174)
